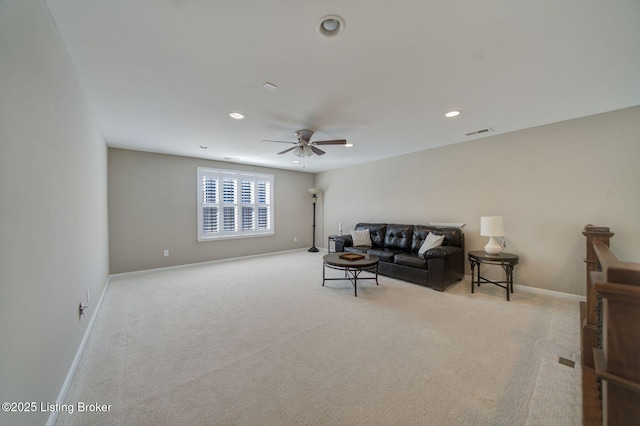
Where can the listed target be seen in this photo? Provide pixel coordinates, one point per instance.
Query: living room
(76, 210)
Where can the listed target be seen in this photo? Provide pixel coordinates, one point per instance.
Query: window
(234, 204)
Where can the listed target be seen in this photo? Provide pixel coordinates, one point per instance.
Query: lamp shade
(314, 191)
(491, 226)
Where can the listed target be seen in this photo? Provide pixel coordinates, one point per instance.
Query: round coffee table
(351, 268)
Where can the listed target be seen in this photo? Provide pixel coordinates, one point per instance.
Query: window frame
(234, 199)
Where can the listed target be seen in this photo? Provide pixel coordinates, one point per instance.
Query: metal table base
(351, 273)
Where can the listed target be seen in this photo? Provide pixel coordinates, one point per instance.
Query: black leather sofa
(397, 247)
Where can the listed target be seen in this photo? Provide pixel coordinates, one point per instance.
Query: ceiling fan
(305, 148)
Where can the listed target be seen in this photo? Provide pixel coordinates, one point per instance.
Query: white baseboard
(208, 262)
(552, 293)
(53, 416)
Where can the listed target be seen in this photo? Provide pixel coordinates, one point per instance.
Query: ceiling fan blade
(266, 140)
(317, 151)
(287, 150)
(333, 142)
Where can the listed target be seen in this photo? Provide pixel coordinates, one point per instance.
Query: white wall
(53, 209)
(547, 182)
(152, 207)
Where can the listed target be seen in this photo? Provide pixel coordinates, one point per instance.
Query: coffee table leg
(355, 283)
(324, 266)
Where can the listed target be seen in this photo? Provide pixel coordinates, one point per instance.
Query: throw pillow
(431, 241)
(361, 237)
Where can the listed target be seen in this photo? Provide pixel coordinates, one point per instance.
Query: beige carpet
(259, 341)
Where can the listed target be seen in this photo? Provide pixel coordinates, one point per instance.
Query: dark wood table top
(500, 257)
(334, 259)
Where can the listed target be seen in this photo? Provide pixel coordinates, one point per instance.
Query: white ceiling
(163, 75)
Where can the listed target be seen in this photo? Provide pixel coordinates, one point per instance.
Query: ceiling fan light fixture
(348, 145)
(304, 147)
(302, 151)
(331, 26)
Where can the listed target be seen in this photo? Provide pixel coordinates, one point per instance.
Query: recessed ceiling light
(269, 86)
(204, 147)
(348, 145)
(452, 114)
(331, 26)
(236, 115)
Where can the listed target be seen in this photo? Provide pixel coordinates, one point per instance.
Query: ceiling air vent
(479, 132)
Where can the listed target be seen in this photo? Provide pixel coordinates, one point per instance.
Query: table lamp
(491, 226)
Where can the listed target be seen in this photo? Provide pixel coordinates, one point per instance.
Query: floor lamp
(314, 192)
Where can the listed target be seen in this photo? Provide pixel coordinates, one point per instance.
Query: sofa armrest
(441, 251)
(343, 241)
(442, 265)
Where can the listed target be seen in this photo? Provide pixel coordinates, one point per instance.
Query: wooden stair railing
(610, 335)
(591, 403)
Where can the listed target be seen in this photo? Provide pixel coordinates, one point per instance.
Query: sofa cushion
(399, 237)
(431, 241)
(377, 232)
(411, 260)
(384, 254)
(452, 236)
(361, 237)
(420, 233)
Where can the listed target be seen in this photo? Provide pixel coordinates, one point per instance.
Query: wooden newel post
(610, 335)
(589, 311)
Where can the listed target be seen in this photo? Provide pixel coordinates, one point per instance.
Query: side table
(329, 239)
(507, 260)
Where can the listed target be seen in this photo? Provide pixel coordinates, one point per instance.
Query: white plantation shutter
(264, 201)
(209, 203)
(210, 219)
(234, 204)
(229, 208)
(247, 195)
(229, 190)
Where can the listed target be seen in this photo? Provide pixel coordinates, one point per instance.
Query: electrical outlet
(82, 309)
(166, 253)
